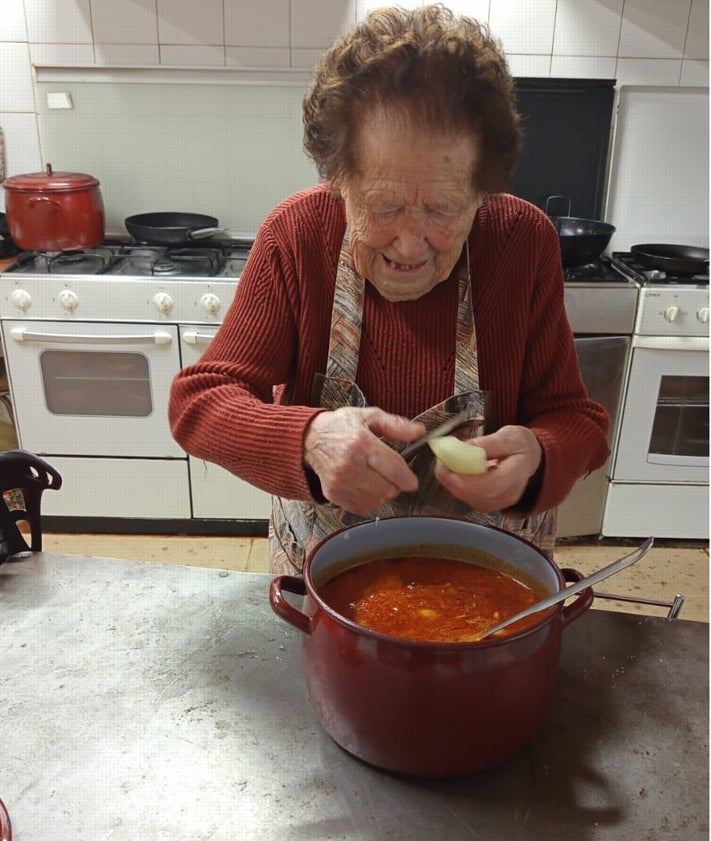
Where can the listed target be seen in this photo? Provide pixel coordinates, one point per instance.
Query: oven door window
(96, 384)
(681, 420)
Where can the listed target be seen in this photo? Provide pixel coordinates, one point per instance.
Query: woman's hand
(357, 470)
(517, 454)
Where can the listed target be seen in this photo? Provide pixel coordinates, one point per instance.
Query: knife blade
(443, 429)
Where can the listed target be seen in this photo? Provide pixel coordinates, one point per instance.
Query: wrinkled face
(409, 206)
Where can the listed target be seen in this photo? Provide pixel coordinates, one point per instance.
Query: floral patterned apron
(297, 526)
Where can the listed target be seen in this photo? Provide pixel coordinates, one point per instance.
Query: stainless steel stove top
(140, 260)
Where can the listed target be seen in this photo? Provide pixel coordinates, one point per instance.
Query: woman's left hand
(517, 454)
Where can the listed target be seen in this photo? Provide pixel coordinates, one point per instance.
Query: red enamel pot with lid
(54, 211)
(426, 709)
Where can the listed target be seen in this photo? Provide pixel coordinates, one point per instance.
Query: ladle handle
(566, 592)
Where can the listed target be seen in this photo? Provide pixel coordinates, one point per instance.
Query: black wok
(678, 259)
(581, 240)
(171, 228)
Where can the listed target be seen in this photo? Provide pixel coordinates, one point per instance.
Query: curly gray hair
(437, 69)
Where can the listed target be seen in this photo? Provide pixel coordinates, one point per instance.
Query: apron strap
(347, 323)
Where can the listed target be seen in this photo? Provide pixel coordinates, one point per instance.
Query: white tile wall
(187, 22)
(315, 24)
(16, 92)
(583, 28)
(697, 36)
(257, 23)
(640, 42)
(12, 21)
(63, 21)
(654, 29)
(522, 26)
(113, 25)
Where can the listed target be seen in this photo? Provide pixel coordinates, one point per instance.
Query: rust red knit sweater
(276, 334)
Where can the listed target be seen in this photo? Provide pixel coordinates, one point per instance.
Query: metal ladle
(577, 587)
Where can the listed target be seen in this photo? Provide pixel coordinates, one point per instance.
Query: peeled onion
(459, 456)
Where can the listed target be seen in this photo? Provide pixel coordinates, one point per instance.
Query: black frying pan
(678, 259)
(171, 228)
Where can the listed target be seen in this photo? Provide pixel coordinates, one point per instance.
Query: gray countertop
(152, 702)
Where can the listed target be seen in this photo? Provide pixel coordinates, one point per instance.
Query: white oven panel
(669, 511)
(217, 493)
(673, 311)
(663, 436)
(116, 487)
(108, 298)
(88, 389)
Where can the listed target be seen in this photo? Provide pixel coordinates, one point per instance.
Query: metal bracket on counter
(674, 606)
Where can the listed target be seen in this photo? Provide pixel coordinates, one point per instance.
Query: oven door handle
(671, 342)
(194, 337)
(22, 334)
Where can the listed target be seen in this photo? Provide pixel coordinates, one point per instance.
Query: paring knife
(444, 429)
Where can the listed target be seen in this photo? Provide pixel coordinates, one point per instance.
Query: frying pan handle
(549, 199)
(285, 610)
(581, 603)
(203, 233)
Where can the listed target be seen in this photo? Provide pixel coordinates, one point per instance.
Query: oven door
(217, 493)
(664, 435)
(92, 388)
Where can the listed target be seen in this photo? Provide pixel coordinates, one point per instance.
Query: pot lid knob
(49, 169)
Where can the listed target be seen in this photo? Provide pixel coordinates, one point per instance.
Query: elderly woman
(407, 287)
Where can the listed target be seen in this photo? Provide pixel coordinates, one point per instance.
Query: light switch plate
(59, 100)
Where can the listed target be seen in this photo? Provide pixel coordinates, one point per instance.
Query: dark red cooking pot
(427, 709)
(54, 211)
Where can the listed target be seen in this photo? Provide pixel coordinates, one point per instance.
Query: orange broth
(428, 599)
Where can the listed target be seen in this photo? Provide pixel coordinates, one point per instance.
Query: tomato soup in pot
(429, 599)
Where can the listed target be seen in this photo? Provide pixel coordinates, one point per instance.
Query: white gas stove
(660, 468)
(92, 342)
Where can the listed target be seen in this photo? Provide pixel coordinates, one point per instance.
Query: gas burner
(628, 266)
(155, 261)
(90, 261)
(599, 270)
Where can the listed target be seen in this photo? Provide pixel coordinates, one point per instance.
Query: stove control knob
(210, 303)
(68, 300)
(21, 299)
(671, 313)
(163, 303)
(703, 315)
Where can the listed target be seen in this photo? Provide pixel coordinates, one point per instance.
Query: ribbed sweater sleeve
(248, 401)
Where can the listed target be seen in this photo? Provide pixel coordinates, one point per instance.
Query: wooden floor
(670, 567)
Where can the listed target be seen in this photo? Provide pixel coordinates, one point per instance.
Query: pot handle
(43, 200)
(549, 199)
(280, 606)
(576, 608)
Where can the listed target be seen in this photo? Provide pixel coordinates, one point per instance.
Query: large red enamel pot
(54, 211)
(427, 709)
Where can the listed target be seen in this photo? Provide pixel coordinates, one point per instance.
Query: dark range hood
(566, 137)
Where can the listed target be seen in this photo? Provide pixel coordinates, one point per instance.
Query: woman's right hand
(357, 470)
